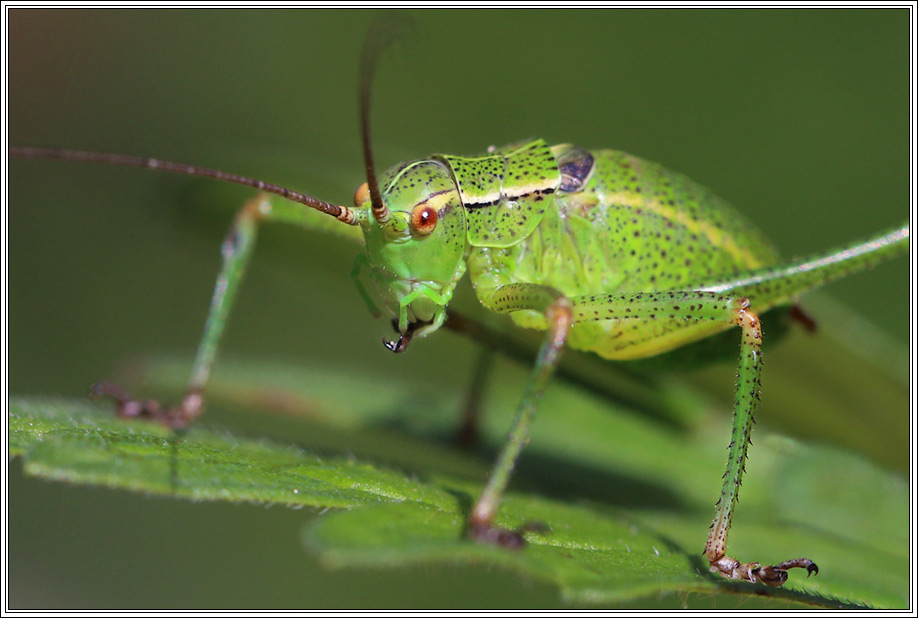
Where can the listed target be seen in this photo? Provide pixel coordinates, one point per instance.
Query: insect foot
(175, 417)
(488, 534)
(756, 573)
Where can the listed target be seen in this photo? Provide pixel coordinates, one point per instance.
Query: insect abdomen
(632, 226)
(666, 231)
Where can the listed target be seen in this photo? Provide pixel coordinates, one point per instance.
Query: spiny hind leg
(748, 387)
(678, 307)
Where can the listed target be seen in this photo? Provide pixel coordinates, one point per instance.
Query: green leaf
(81, 443)
(627, 499)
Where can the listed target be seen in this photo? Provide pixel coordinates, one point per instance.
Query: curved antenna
(342, 213)
(383, 32)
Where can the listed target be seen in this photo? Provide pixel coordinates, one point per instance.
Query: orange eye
(423, 219)
(362, 195)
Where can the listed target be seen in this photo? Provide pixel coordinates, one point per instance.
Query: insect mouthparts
(404, 338)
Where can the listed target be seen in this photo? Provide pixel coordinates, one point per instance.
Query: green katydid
(604, 251)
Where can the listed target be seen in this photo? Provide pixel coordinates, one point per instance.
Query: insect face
(414, 259)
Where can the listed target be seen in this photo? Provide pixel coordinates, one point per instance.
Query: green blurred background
(798, 117)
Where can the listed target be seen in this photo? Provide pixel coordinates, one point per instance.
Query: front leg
(236, 251)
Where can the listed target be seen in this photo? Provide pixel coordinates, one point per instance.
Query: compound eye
(423, 219)
(361, 195)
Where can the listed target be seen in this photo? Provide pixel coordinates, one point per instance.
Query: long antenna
(342, 213)
(383, 32)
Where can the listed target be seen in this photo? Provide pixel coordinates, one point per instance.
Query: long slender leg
(237, 251)
(557, 310)
(661, 312)
(747, 395)
(679, 307)
(469, 428)
(775, 284)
